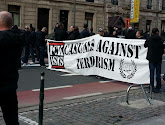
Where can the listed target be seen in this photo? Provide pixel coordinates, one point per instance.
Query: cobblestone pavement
(108, 109)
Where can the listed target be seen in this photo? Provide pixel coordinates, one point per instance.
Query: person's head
(155, 31)
(27, 28)
(130, 28)
(15, 27)
(139, 34)
(85, 26)
(61, 26)
(31, 25)
(5, 20)
(71, 28)
(44, 29)
(114, 33)
(101, 32)
(56, 24)
(105, 30)
(76, 28)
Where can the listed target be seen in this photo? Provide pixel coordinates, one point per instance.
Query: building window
(90, 0)
(148, 25)
(15, 11)
(163, 4)
(89, 20)
(149, 4)
(115, 2)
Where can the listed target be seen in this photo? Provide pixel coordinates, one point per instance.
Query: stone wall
(29, 12)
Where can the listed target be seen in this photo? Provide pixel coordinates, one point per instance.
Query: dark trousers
(152, 67)
(9, 106)
(32, 53)
(26, 54)
(42, 55)
(37, 53)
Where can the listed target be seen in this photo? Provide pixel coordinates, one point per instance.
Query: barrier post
(41, 99)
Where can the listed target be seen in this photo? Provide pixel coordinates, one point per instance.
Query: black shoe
(155, 90)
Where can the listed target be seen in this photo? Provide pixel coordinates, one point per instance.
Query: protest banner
(113, 58)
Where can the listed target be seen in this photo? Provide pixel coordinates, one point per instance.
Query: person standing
(75, 35)
(85, 32)
(42, 45)
(32, 44)
(27, 46)
(10, 44)
(154, 56)
(101, 32)
(60, 33)
(70, 34)
(139, 34)
(106, 34)
(130, 34)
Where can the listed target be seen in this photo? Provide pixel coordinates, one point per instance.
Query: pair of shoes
(37, 62)
(24, 64)
(43, 66)
(32, 63)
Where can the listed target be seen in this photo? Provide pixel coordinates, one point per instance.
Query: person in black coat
(70, 32)
(60, 33)
(139, 34)
(28, 40)
(42, 45)
(11, 42)
(76, 34)
(130, 34)
(154, 56)
(85, 32)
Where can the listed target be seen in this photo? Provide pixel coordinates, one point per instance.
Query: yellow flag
(134, 15)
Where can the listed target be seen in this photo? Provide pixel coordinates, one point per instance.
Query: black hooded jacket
(11, 43)
(155, 48)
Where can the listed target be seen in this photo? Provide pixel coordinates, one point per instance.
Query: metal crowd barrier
(143, 90)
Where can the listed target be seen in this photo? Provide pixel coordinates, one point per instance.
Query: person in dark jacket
(91, 33)
(154, 56)
(28, 46)
(106, 34)
(114, 34)
(10, 44)
(85, 32)
(76, 34)
(56, 27)
(70, 32)
(42, 45)
(60, 33)
(139, 34)
(130, 34)
(32, 44)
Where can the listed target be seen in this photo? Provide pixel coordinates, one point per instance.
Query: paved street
(107, 109)
(84, 100)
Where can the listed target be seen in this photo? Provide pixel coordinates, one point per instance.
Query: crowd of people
(35, 41)
(15, 42)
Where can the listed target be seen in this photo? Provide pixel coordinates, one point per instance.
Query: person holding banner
(154, 56)
(11, 42)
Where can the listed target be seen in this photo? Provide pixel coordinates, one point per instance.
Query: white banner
(114, 58)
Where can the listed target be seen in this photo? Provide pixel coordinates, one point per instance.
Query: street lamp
(74, 12)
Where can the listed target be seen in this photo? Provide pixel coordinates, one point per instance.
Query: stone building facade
(97, 13)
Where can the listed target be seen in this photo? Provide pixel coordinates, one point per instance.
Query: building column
(50, 20)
